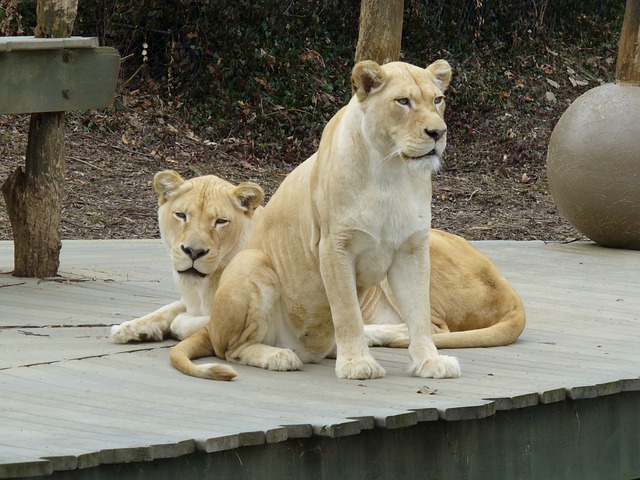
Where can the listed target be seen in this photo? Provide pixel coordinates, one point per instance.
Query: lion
(472, 304)
(204, 222)
(355, 213)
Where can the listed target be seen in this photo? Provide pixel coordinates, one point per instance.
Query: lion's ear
(249, 196)
(440, 70)
(366, 77)
(165, 183)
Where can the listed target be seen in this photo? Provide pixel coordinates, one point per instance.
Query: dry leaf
(525, 178)
(553, 83)
(550, 97)
(424, 390)
(124, 139)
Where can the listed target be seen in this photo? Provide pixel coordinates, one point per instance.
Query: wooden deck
(72, 401)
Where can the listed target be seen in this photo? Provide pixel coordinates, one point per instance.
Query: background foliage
(274, 71)
(242, 89)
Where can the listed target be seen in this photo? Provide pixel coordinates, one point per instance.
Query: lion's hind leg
(266, 357)
(243, 319)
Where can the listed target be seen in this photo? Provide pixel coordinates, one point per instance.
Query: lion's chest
(386, 229)
(196, 293)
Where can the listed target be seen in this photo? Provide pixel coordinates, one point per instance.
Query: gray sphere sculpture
(593, 165)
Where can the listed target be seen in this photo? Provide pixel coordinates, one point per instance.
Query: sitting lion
(472, 304)
(203, 222)
(352, 215)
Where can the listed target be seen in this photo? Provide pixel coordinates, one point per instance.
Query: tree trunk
(34, 196)
(56, 18)
(628, 64)
(34, 199)
(380, 33)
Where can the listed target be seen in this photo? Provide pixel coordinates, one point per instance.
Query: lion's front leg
(152, 327)
(409, 281)
(353, 359)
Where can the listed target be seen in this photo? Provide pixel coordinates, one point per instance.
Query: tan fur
(472, 304)
(353, 214)
(203, 222)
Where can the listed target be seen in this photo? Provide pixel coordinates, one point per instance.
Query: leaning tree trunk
(628, 64)
(380, 32)
(34, 196)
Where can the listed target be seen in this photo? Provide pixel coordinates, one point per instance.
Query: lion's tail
(198, 345)
(504, 332)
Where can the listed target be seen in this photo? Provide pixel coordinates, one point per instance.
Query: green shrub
(273, 72)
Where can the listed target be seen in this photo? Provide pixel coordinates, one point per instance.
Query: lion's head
(203, 221)
(404, 109)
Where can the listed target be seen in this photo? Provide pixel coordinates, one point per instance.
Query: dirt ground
(493, 184)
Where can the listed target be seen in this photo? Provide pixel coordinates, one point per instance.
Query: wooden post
(628, 64)
(380, 32)
(34, 196)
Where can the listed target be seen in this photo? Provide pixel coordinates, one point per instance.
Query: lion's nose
(194, 253)
(436, 134)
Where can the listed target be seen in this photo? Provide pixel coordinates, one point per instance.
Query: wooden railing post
(34, 196)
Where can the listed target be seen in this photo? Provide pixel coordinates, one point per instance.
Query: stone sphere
(593, 165)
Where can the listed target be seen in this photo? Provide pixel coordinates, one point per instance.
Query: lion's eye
(438, 100)
(180, 216)
(221, 222)
(404, 101)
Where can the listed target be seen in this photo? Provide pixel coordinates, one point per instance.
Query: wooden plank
(14, 465)
(580, 344)
(109, 420)
(11, 44)
(28, 347)
(137, 411)
(34, 81)
(329, 423)
(631, 384)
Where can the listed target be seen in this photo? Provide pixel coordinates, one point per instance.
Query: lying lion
(204, 222)
(352, 215)
(472, 304)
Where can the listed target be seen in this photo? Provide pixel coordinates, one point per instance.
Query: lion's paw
(359, 368)
(184, 325)
(283, 360)
(442, 366)
(132, 332)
